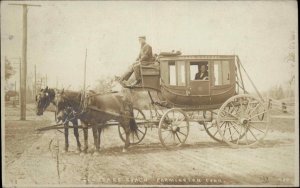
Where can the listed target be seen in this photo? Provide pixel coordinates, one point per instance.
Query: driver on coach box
(145, 58)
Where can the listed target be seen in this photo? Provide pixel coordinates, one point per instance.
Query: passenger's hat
(142, 37)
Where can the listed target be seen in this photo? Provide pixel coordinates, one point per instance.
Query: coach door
(199, 80)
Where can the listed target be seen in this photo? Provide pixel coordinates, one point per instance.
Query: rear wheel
(243, 121)
(173, 128)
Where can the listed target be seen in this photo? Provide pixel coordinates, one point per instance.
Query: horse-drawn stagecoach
(220, 102)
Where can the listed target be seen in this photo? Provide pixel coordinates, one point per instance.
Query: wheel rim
(173, 128)
(243, 121)
(139, 135)
(212, 129)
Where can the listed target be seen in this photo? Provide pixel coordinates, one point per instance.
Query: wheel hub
(244, 121)
(175, 128)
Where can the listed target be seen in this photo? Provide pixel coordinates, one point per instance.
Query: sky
(59, 33)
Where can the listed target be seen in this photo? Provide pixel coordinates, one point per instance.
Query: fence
(286, 106)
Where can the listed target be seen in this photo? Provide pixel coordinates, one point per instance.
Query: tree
(104, 85)
(277, 92)
(9, 70)
(291, 58)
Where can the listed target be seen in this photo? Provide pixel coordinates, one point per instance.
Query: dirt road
(201, 161)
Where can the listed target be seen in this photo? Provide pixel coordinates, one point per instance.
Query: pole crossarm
(21, 4)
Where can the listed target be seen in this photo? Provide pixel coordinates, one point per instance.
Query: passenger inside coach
(202, 73)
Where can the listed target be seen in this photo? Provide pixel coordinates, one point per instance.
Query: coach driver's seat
(150, 76)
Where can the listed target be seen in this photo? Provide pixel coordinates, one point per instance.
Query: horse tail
(132, 123)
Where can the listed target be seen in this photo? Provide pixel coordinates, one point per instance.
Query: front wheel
(137, 136)
(173, 128)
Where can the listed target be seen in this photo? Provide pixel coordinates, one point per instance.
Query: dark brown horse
(99, 109)
(43, 100)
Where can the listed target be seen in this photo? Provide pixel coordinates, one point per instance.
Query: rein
(75, 114)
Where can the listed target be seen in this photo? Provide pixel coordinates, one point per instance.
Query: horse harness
(86, 104)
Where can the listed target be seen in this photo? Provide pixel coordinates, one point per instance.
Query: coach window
(172, 73)
(195, 71)
(221, 73)
(177, 73)
(181, 73)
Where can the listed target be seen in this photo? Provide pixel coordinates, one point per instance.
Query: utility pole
(20, 72)
(34, 80)
(24, 58)
(84, 78)
(46, 82)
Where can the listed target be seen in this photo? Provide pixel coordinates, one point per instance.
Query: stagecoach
(178, 99)
(220, 102)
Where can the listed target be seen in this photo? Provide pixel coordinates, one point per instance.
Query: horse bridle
(47, 101)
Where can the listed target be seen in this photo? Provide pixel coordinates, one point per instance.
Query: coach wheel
(173, 128)
(139, 135)
(243, 121)
(211, 127)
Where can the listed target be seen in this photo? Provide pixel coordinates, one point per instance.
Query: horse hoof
(96, 153)
(124, 150)
(83, 153)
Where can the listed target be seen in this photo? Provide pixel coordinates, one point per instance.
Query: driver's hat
(142, 37)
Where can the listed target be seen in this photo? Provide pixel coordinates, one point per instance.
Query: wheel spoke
(254, 109)
(233, 134)
(178, 137)
(231, 115)
(222, 125)
(252, 134)
(257, 129)
(234, 108)
(182, 133)
(209, 127)
(258, 121)
(247, 106)
(258, 114)
(137, 135)
(237, 142)
(246, 137)
(140, 131)
(167, 136)
(224, 129)
(230, 132)
(234, 127)
(137, 115)
(241, 104)
(229, 120)
(215, 133)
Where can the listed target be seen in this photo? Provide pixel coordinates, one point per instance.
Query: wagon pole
(256, 90)
(84, 81)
